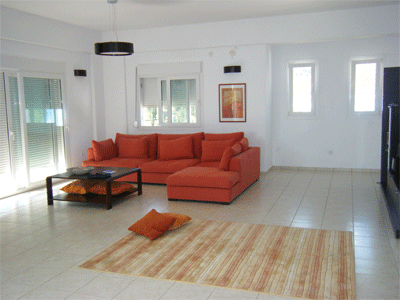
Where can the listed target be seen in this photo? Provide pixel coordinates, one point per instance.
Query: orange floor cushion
(152, 225)
(117, 187)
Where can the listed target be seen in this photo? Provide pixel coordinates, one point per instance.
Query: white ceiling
(136, 14)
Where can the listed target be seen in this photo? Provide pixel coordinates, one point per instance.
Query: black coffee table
(93, 198)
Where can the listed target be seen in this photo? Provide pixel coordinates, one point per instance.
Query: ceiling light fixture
(113, 48)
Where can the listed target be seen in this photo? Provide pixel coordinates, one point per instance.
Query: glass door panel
(44, 126)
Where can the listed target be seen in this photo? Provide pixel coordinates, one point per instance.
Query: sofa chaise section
(212, 184)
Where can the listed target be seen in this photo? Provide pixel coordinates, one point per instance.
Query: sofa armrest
(247, 164)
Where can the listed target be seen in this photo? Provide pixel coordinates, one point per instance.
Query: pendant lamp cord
(114, 20)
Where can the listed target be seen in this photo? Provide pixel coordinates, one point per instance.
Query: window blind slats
(183, 92)
(45, 142)
(149, 91)
(18, 155)
(4, 144)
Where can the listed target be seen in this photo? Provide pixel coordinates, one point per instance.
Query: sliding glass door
(31, 130)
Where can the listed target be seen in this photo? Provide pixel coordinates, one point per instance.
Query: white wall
(282, 141)
(99, 113)
(334, 138)
(213, 60)
(27, 36)
(322, 26)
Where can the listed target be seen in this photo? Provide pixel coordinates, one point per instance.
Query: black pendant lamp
(115, 48)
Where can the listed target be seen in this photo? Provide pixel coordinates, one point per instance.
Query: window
(168, 98)
(168, 102)
(302, 88)
(365, 86)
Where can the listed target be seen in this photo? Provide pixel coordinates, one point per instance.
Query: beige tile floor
(42, 246)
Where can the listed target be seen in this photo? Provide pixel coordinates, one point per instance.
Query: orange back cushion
(104, 150)
(213, 150)
(152, 144)
(237, 136)
(133, 148)
(197, 139)
(176, 149)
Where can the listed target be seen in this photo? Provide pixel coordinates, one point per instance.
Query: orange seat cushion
(176, 149)
(117, 187)
(203, 177)
(133, 148)
(213, 150)
(209, 164)
(118, 162)
(152, 225)
(168, 166)
(104, 150)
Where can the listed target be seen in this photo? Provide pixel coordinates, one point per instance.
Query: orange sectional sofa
(198, 166)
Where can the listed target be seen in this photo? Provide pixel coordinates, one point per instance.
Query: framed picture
(232, 102)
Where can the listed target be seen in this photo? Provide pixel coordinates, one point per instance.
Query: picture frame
(232, 102)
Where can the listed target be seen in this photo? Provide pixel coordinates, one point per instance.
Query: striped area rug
(285, 261)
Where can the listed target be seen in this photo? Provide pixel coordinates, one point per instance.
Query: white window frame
(378, 86)
(290, 67)
(168, 72)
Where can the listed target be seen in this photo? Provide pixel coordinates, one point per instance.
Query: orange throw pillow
(213, 150)
(244, 142)
(152, 225)
(180, 220)
(104, 150)
(133, 148)
(79, 186)
(90, 154)
(228, 154)
(176, 149)
(237, 148)
(117, 187)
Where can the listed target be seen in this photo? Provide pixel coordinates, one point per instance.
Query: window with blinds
(12, 164)
(5, 158)
(169, 94)
(44, 126)
(168, 101)
(32, 139)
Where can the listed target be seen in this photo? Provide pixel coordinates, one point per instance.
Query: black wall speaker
(232, 69)
(80, 73)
